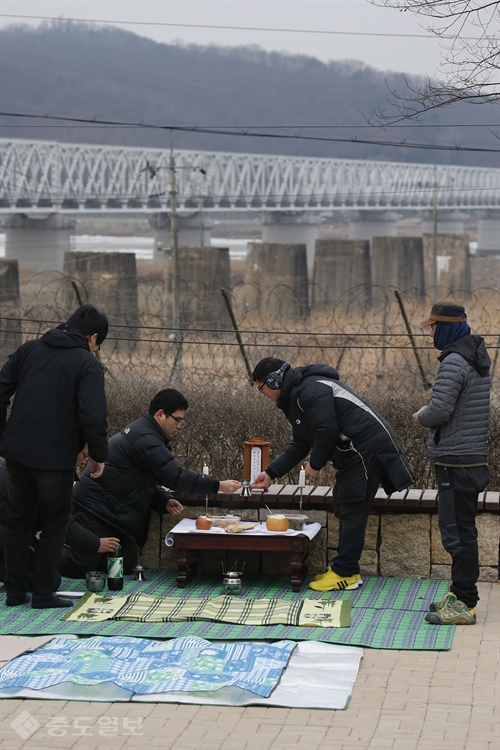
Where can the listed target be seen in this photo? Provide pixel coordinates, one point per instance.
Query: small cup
(96, 580)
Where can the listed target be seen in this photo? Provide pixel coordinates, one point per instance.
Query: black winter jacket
(334, 424)
(59, 405)
(138, 468)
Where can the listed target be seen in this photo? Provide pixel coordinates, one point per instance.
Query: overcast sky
(399, 53)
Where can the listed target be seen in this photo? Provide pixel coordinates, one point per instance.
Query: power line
(420, 126)
(17, 126)
(244, 132)
(260, 332)
(323, 32)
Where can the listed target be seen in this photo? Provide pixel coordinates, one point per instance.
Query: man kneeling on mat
(139, 466)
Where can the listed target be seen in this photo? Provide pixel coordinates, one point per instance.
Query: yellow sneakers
(330, 581)
(322, 575)
(329, 570)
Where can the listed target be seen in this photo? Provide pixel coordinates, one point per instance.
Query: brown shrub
(219, 421)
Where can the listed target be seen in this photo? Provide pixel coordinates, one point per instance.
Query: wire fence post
(495, 359)
(77, 292)
(426, 383)
(383, 364)
(238, 335)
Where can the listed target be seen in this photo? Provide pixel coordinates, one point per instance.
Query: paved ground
(405, 700)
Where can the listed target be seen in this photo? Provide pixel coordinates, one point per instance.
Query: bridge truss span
(42, 176)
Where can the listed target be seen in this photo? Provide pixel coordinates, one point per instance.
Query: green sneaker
(438, 606)
(454, 612)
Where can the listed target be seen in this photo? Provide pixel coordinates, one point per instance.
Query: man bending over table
(332, 423)
(139, 466)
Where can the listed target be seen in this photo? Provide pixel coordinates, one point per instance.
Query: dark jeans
(353, 518)
(43, 495)
(76, 563)
(458, 489)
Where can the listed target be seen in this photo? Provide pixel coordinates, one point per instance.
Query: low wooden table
(189, 542)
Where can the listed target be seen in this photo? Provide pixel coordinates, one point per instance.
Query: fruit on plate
(203, 523)
(277, 522)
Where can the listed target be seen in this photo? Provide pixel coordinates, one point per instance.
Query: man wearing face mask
(457, 416)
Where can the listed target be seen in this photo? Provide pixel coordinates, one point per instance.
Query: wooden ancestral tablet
(255, 457)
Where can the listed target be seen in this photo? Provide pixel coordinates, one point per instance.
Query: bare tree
(469, 31)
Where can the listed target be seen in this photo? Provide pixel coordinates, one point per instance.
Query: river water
(142, 247)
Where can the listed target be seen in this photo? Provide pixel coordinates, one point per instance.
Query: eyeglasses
(260, 388)
(180, 420)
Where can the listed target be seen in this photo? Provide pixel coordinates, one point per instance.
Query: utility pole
(434, 239)
(200, 212)
(176, 335)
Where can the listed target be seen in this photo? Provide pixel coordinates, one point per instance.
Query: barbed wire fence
(363, 335)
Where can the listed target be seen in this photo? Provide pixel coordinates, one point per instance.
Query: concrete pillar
(363, 225)
(10, 328)
(108, 281)
(453, 263)
(38, 243)
(193, 231)
(283, 228)
(203, 272)
(449, 222)
(398, 262)
(341, 272)
(485, 272)
(276, 280)
(488, 232)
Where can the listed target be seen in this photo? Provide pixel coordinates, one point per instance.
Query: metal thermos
(115, 569)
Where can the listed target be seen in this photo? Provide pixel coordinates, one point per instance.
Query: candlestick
(206, 470)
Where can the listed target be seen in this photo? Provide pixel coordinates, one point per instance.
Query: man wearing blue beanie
(457, 416)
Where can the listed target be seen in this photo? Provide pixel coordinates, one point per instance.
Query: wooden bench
(320, 498)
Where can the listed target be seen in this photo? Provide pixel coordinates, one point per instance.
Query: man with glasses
(139, 466)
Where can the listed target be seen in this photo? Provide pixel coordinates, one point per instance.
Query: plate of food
(220, 522)
(237, 528)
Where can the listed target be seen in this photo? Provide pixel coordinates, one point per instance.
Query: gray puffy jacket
(458, 411)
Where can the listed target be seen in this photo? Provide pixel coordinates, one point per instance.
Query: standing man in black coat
(331, 423)
(458, 417)
(139, 466)
(76, 536)
(59, 406)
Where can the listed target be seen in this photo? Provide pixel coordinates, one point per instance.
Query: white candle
(302, 477)
(206, 469)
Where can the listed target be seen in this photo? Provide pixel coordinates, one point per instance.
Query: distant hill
(76, 69)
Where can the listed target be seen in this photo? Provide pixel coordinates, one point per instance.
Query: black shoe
(14, 601)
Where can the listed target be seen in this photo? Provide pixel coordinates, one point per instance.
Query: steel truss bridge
(44, 177)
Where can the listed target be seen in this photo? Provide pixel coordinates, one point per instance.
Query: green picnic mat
(386, 613)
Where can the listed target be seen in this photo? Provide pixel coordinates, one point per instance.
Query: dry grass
(220, 419)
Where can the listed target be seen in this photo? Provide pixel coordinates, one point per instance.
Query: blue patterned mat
(144, 666)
